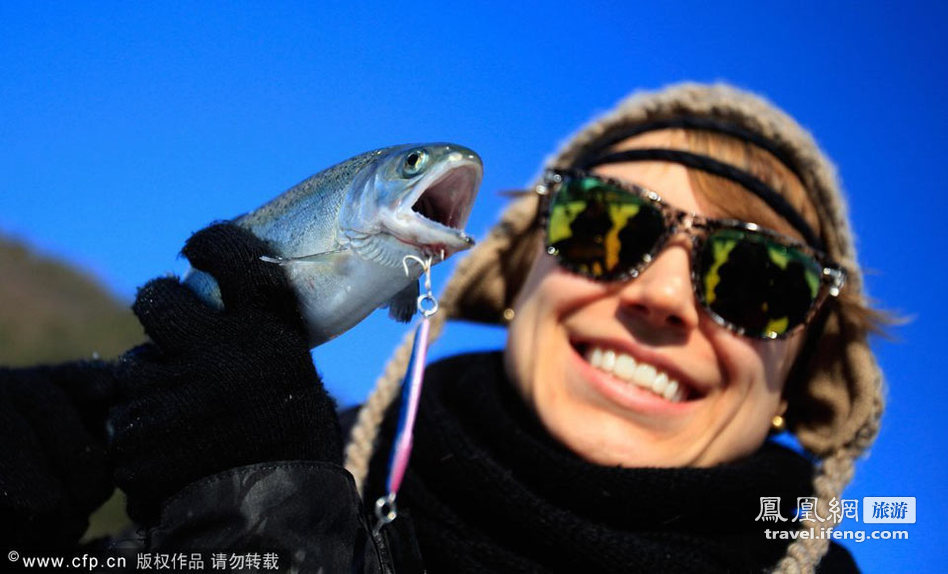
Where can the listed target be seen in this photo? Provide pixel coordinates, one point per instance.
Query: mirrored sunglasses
(754, 281)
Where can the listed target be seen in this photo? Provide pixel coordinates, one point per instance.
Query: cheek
(530, 309)
(761, 365)
(777, 358)
(756, 373)
(535, 335)
(740, 414)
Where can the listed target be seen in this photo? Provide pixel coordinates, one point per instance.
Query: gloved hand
(53, 466)
(217, 389)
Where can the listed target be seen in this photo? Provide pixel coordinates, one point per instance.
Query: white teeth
(595, 358)
(608, 361)
(645, 376)
(625, 367)
(660, 384)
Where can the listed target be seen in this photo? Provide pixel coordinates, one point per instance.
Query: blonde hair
(726, 198)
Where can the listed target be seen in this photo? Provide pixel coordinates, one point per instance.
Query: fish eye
(414, 163)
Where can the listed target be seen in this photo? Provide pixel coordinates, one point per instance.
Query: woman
(579, 353)
(681, 285)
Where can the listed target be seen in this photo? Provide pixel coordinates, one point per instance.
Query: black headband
(709, 124)
(710, 165)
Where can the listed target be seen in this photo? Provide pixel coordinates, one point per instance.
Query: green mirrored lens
(600, 230)
(756, 283)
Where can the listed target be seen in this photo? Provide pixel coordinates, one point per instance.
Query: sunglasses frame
(698, 228)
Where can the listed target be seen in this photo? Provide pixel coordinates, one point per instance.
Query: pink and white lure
(385, 508)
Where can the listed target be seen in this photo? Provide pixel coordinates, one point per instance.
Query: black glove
(53, 466)
(217, 389)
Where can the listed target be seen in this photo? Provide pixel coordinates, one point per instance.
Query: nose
(661, 296)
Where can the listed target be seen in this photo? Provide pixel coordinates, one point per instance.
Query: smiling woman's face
(589, 357)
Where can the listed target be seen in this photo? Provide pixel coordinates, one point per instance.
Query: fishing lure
(386, 509)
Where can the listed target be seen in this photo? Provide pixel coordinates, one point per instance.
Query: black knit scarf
(490, 491)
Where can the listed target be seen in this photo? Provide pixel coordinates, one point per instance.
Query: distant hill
(51, 311)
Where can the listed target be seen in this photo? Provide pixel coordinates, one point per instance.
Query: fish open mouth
(448, 199)
(430, 213)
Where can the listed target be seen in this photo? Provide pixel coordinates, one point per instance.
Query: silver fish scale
(284, 219)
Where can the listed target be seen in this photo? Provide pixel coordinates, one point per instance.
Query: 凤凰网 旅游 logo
(888, 509)
(875, 510)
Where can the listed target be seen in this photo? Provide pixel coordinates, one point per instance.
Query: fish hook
(425, 265)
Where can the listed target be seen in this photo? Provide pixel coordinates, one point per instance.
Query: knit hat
(836, 402)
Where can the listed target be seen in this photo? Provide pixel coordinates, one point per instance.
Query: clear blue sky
(123, 129)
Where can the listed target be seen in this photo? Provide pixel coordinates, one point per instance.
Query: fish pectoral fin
(277, 260)
(403, 305)
(324, 257)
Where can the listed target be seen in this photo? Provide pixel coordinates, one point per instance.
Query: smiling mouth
(626, 368)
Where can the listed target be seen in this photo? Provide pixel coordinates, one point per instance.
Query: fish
(345, 237)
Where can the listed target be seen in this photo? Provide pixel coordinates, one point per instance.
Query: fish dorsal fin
(403, 305)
